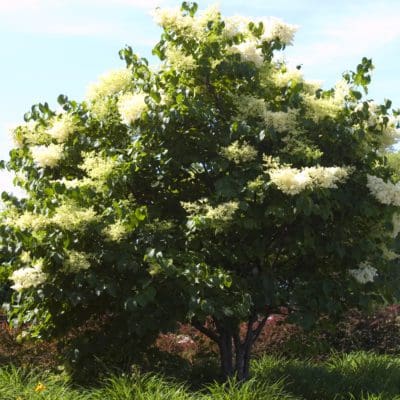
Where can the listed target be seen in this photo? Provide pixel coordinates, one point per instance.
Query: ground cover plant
(358, 376)
(217, 189)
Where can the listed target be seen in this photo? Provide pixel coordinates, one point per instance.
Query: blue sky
(50, 47)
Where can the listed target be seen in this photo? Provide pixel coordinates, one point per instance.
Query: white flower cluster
(28, 220)
(239, 153)
(257, 188)
(389, 129)
(389, 254)
(25, 257)
(97, 166)
(76, 261)
(364, 273)
(223, 212)
(28, 277)
(131, 107)
(249, 106)
(385, 192)
(62, 128)
(282, 121)
(323, 107)
(178, 60)
(47, 156)
(293, 180)
(284, 76)
(116, 231)
(68, 216)
(236, 25)
(249, 52)
(71, 216)
(23, 133)
(396, 224)
(109, 84)
(217, 217)
(172, 18)
(274, 29)
(75, 183)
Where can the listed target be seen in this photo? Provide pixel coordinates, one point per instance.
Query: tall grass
(343, 376)
(357, 376)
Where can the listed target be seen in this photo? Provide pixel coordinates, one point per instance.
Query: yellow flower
(40, 387)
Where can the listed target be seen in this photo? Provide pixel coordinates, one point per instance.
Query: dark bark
(226, 354)
(235, 352)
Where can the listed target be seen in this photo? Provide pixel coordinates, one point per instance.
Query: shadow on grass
(352, 376)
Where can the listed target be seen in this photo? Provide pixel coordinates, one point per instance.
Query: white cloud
(355, 36)
(9, 6)
(144, 4)
(57, 20)
(75, 17)
(14, 6)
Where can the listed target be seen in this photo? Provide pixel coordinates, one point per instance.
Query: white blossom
(385, 192)
(179, 60)
(239, 153)
(27, 277)
(249, 106)
(211, 13)
(98, 167)
(284, 76)
(396, 224)
(387, 124)
(172, 18)
(76, 261)
(25, 257)
(293, 180)
(249, 52)
(364, 273)
(23, 133)
(215, 216)
(320, 108)
(275, 28)
(116, 231)
(282, 121)
(110, 83)
(388, 254)
(29, 221)
(75, 183)
(131, 107)
(62, 128)
(236, 25)
(47, 156)
(222, 212)
(71, 216)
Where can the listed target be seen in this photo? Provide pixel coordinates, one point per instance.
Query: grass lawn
(354, 376)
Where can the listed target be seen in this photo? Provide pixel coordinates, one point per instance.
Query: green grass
(358, 376)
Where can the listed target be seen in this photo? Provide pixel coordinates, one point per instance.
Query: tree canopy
(215, 188)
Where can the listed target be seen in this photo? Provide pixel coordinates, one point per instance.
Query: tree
(217, 188)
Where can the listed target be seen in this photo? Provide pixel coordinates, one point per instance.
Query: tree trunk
(235, 352)
(226, 354)
(242, 360)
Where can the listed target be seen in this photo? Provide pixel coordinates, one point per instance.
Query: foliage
(342, 376)
(357, 376)
(220, 184)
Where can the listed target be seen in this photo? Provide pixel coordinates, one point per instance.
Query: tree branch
(250, 331)
(259, 328)
(208, 332)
